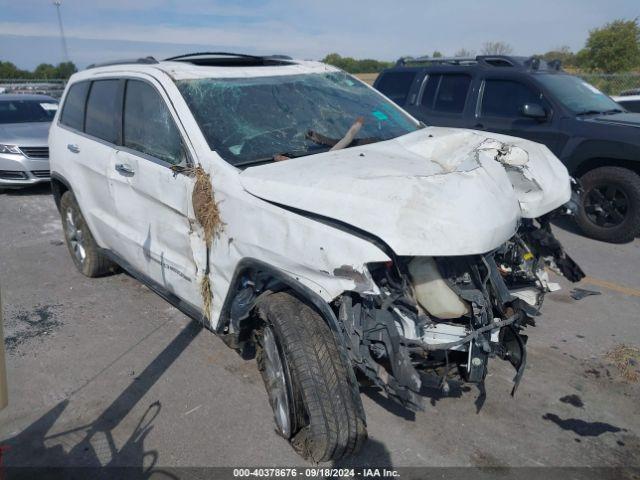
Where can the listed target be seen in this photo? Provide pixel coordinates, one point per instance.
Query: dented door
(149, 196)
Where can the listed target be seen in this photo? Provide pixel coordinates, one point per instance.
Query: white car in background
(307, 219)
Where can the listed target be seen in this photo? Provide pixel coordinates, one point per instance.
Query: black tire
(610, 205)
(328, 420)
(93, 263)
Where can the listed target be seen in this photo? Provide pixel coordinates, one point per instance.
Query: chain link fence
(45, 86)
(613, 83)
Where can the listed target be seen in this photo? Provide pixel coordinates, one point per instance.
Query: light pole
(57, 4)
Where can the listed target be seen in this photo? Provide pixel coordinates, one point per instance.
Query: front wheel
(610, 205)
(309, 381)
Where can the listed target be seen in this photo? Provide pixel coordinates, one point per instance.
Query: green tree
(9, 70)
(45, 70)
(66, 69)
(436, 54)
(612, 48)
(352, 65)
(564, 54)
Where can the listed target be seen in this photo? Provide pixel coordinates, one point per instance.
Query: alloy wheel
(606, 205)
(277, 382)
(75, 236)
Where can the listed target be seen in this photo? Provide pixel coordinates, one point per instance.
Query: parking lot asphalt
(105, 372)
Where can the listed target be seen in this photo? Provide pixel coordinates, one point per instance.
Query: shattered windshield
(251, 120)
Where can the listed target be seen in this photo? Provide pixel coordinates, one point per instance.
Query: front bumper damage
(395, 336)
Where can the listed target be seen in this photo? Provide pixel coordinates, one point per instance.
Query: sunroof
(225, 59)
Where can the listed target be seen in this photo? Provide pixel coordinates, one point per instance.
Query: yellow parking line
(633, 292)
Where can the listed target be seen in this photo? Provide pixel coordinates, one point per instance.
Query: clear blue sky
(99, 30)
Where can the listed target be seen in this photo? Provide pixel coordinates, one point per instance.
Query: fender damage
(463, 218)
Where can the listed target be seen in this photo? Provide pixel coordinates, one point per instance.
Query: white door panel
(150, 203)
(88, 160)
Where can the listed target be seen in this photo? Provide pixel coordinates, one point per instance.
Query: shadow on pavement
(37, 189)
(567, 224)
(93, 446)
(374, 454)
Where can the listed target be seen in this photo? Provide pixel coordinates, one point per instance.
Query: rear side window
(103, 110)
(446, 93)
(73, 110)
(148, 125)
(505, 98)
(396, 85)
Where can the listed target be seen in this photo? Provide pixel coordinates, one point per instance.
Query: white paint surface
(437, 191)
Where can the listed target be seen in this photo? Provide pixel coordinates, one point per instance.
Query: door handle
(125, 169)
(73, 148)
(478, 126)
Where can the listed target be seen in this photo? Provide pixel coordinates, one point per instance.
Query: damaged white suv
(310, 222)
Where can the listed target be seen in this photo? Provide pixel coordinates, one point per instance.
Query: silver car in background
(24, 130)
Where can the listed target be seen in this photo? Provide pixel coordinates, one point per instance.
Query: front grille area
(12, 175)
(35, 152)
(41, 173)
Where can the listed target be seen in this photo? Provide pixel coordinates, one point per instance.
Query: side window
(505, 98)
(103, 110)
(148, 126)
(446, 93)
(396, 85)
(72, 114)
(429, 92)
(452, 93)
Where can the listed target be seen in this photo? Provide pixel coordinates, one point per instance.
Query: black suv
(595, 138)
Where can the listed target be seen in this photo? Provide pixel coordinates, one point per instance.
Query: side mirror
(533, 110)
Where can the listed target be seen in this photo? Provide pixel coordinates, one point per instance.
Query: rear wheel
(610, 204)
(309, 380)
(86, 255)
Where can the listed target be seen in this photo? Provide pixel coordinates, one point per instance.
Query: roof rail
(499, 60)
(403, 61)
(532, 63)
(144, 60)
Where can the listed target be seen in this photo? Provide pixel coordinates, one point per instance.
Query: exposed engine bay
(451, 315)
(444, 252)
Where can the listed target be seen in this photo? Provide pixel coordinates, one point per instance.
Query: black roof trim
(230, 59)
(144, 60)
(497, 61)
(209, 54)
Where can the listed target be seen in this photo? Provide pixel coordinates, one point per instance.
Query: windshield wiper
(613, 110)
(590, 112)
(320, 139)
(276, 158)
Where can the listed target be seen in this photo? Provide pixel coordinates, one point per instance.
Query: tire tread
(323, 377)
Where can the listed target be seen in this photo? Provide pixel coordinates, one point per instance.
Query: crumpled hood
(437, 191)
(33, 134)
